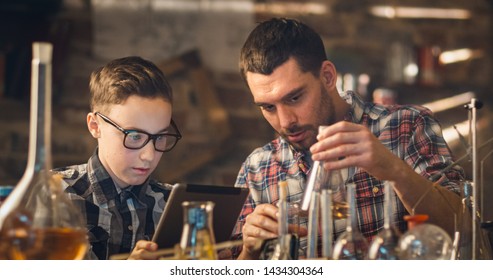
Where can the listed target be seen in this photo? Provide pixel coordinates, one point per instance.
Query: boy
(131, 105)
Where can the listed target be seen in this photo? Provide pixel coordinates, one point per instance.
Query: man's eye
(268, 108)
(294, 99)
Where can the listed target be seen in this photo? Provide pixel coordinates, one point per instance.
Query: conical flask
(385, 244)
(197, 239)
(38, 221)
(351, 244)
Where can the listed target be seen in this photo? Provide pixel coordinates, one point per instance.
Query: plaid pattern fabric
(410, 132)
(115, 218)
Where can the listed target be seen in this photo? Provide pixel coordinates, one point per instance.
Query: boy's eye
(135, 136)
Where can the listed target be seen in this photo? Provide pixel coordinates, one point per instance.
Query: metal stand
(472, 107)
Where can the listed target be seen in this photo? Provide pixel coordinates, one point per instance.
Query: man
(284, 64)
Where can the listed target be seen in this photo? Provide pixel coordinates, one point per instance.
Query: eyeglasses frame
(150, 136)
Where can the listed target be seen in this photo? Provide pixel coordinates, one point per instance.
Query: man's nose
(286, 117)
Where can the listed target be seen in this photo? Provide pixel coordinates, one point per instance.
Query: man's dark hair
(275, 41)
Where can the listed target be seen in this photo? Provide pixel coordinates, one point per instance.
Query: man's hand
(141, 250)
(346, 144)
(261, 224)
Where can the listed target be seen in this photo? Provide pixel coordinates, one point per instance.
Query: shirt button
(130, 228)
(375, 190)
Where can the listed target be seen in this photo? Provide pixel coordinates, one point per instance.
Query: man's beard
(326, 116)
(307, 142)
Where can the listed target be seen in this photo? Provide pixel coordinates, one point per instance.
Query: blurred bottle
(37, 220)
(198, 239)
(384, 96)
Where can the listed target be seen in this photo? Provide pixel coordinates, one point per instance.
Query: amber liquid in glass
(45, 244)
(206, 250)
(340, 210)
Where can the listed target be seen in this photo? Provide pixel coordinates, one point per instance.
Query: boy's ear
(93, 125)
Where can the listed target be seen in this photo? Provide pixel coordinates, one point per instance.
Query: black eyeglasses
(136, 139)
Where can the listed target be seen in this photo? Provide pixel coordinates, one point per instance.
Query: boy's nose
(147, 152)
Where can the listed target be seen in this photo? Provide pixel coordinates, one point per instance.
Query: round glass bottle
(424, 241)
(37, 220)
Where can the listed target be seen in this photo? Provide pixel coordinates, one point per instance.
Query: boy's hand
(141, 250)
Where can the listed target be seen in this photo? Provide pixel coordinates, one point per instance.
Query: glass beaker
(197, 239)
(37, 220)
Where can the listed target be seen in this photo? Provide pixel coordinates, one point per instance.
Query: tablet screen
(228, 202)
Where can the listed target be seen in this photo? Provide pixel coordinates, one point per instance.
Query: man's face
(126, 166)
(294, 103)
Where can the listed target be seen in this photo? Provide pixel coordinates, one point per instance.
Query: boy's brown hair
(116, 81)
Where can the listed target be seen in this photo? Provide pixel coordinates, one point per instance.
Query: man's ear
(93, 125)
(328, 74)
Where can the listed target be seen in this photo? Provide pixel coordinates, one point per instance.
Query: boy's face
(125, 166)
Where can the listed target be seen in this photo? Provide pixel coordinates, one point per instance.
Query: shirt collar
(102, 184)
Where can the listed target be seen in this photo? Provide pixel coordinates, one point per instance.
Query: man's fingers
(267, 210)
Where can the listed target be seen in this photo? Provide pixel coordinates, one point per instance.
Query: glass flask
(282, 249)
(4, 193)
(197, 239)
(327, 222)
(37, 220)
(424, 241)
(340, 206)
(351, 244)
(385, 244)
(313, 219)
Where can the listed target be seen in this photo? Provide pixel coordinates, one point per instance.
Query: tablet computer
(228, 202)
